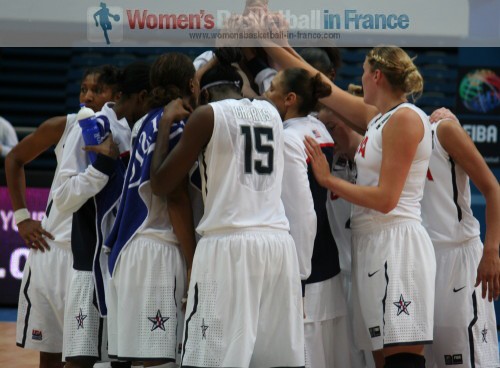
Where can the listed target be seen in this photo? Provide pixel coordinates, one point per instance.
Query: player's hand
(318, 161)
(440, 114)
(107, 148)
(488, 275)
(34, 234)
(176, 110)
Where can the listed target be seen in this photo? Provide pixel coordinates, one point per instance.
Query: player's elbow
(387, 205)
(11, 160)
(160, 188)
(60, 202)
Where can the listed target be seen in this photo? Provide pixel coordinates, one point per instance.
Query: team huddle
(244, 211)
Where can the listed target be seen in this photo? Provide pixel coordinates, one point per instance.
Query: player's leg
(51, 360)
(465, 325)
(409, 307)
(41, 304)
(280, 333)
(149, 279)
(223, 301)
(85, 332)
(327, 342)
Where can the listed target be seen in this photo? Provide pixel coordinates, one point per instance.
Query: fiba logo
(105, 24)
(480, 91)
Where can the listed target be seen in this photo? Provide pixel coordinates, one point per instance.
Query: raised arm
(46, 135)
(351, 108)
(462, 150)
(401, 136)
(169, 169)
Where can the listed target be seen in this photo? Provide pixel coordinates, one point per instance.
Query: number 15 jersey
(242, 168)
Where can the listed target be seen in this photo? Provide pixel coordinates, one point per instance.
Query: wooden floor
(12, 356)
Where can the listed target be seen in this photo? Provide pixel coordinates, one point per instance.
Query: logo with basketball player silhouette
(104, 21)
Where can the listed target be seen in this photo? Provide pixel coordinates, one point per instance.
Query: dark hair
(134, 78)
(222, 73)
(326, 59)
(106, 74)
(228, 55)
(170, 78)
(308, 89)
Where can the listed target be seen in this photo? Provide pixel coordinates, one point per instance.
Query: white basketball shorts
(145, 317)
(85, 334)
(394, 270)
(40, 316)
(465, 328)
(244, 305)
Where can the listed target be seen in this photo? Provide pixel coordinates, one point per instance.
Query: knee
(405, 360)
(51, 360)
(81, 363)
(121, 364)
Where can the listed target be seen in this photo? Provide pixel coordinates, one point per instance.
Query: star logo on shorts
(203, 329)
(158, 321)
(402, 305)
(484, 333)
(80, 318)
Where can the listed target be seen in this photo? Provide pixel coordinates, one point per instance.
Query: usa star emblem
(484, 333)
(158, 321)
(203, 329)
(80, 318)
(402, 305)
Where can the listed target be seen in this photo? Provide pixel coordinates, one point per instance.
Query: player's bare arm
(197, 133)
(47, 135)
(181, 217)
(401, 136)
(176, 110)
(461, 148)
(351, 109)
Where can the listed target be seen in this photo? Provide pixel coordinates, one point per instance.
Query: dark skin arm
(181, 217)
(170, 172)
(460, 147)
(175, 185)
(47, 134)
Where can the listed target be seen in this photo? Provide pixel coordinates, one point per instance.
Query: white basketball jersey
(446, 210)
(369, 161)
(339, 211)
(56, 222)
(242, 168)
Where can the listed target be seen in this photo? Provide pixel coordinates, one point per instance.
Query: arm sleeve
(78, 180)
(298, 203)
(10, 137)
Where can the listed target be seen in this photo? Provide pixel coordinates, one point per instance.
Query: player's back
(242, 168)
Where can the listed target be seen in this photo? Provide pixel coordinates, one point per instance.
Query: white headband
(219, 83)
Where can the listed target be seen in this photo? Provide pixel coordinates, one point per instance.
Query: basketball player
(152, 240)
(90, 191)
(296, 94)
(464, 323)
(42, 296)
(339, 214)
(244, 307)
(393, 258)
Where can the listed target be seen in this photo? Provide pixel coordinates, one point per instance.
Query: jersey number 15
(268, 149)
